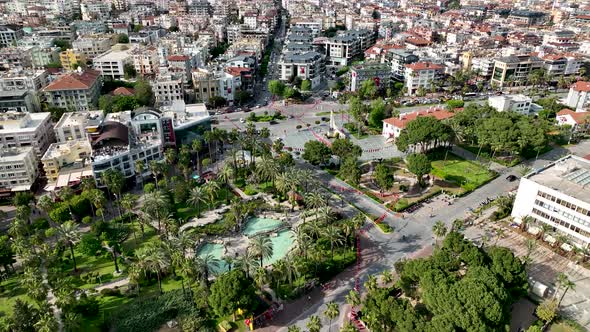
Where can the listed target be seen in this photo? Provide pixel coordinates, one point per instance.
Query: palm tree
(196, 147)
(293, 328)
(72, 322)
(196, 197)
(205, 266)
(315, 201)
(439, 230)
(560, 239)
(386, 277)
(348, 327)
(353, 298)
(151, 258)
(225, 175)
(210, 189)
(155, 169)
(128, 202)
(46, 323)
(247, 261)
(139, 169)
(524, 222)
(286, 183)
(531, 245)
(262, 247)
(45, 203)
(332, 234)
(114, 249)
(332, 311)
(564, 283)
(314, 324)
(303, 241)
(156, 203)
(326, 214)
(544, 229)
(69, 234)
(261, 277)
(371, 283)
(267, 169)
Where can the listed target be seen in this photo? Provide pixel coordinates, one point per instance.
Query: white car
(242, 120)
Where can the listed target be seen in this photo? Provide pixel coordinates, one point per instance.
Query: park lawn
(10, 291)
(464, 173)
(563, 327)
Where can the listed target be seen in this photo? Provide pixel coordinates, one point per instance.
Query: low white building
(579, 121)
(557, 195)
(112, 63)
(75, 126)
(516, 103)
(18, 168)
(26, 129)
(577, 98)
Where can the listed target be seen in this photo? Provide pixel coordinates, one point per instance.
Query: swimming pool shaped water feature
(216, 251)
(261, 225)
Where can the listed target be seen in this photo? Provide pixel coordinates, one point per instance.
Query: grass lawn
(10, 291)
(464, 173)
(563, 327)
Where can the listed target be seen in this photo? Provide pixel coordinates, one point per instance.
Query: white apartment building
(307, 66)
(75, 126)
(168, 88)
(112, 63)
(26, 129)
(92, 46)
(515, 103)
(9, 35)
(146, 61)
(30, 80)
(18, 168)
(557, 195)
(380, 73)
(421, 75)
(577, 97)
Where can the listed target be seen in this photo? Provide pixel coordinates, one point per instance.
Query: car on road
(512, 178)
(242, 120)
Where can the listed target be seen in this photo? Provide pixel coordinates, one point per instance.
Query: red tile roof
(423, 66)
(582, 86)
(578, 117)
(178, 58)
(123, 91)
(236, 71)
(74, 81)
(417, 41)
(402, 121)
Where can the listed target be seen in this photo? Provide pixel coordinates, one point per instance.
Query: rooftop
(404, 119)
(578, 117)
(292, 57)
(14, 154)
(56, 150)
(86, 119)
(423, 66)
(118, 52)
(74, 81)
(569, 175)
(581, 86)
(11, 122)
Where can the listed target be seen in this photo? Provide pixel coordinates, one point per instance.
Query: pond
(258, 225)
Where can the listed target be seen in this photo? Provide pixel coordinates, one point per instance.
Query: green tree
(547, 310)
(332, 311)
(69, 234)
(419, 165)
(89, 245)
(314, 324)
(289, 92)
(129, 71)
(276, 87)
(144, 93)
(344, 148)
(357, 110)
(316, 152)
(383, 176)
(122, 38)
(566, 284)
(262, 247)
(350, 171)
(151, 258)
(377, 113)
(232, 291)
(368, 89)
(306, 85)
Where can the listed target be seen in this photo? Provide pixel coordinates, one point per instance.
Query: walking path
(112, 284)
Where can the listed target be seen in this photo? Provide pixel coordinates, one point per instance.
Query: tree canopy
(419, 165)
(424, 132)
(232, 291)
(316, 152)
(460, 288)
(344, 148)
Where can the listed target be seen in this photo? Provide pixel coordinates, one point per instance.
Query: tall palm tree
(326, 214)
(439, 230)
(262, 247)
(68, 233)
(152, 258)
(97, 199)
(333, 235)
(206, 265)
(386, 277)
(247, 261)
(196, 197)
(72, 322)
(46, 323)
(303, 241)
(314, 324)
(315, 201)
(45, 203)
(531, 245)
(156, 204)
(155, 169)
(128, 202)
(225, 175)
(565, 283)
(353, 298)
(294, 328)
(139, 169)
(267, 169)
(332, 311)
(196, 147)
(210, 189)
(261, 277)
(113, 248)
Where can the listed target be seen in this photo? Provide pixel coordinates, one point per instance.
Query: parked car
(242, 120)
(511, 178)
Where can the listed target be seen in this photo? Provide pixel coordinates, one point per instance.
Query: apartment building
(92, 45)
(421, 75)
(24, 80)
(398, 59)
(26, 130)
(146, 61)
(306, 65)
(341, 49)
(557, 65)
(70, 156)
(514, 70)
(168, 88)
(71, 60)
(557, 195)
(18, 169)
(15, 58)
(577, 97)
(76, 126)
(205, 83)
(380, 73)
(112, 63)
(76, 91)
(511, 103)
(180, 66)
(9, 34)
